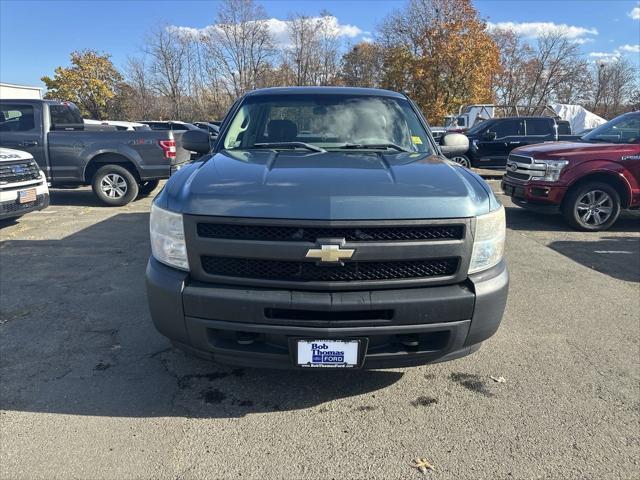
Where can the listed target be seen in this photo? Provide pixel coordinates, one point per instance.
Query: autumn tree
(440, 53)
(361, 65)
(614, 88)
(557, 71)
(511, 82)
(91, 82)
(313, 54)
(166, 57)
(241, 45)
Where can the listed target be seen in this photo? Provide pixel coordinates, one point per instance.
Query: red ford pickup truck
(589, 181)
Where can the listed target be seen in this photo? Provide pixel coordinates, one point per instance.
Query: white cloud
(367, 39)
(279, 29)
(630, 48)
(605, 57)
(635, 13)
(537, 29)
(615, 54)
(582, 41)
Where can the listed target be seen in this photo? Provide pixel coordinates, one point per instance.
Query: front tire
(462, 160)
(114, 185)
(592, 207)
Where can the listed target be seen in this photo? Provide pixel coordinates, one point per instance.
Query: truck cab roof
(325, 91)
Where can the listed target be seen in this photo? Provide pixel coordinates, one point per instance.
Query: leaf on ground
(498, 379)
(422, 464)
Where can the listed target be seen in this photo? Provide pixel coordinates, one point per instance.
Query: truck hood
(10, 155)
(327, 186)
(576, 152)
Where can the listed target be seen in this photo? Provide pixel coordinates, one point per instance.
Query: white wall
(9, 91)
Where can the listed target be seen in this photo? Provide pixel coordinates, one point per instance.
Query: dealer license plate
(26, 196)
(328, 353)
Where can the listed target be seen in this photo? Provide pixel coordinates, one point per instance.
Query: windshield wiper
(308, 146)
(372, 146)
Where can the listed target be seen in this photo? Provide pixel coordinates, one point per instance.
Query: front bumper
(10, 207)
(215, 321)
(535, 195)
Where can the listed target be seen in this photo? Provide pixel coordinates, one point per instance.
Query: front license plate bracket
(330, 360)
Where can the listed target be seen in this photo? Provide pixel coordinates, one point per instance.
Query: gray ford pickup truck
(119, 165)
(326, 229)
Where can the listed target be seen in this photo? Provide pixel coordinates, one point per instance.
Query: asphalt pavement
(88, 388)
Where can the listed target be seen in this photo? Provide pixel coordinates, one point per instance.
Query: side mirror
(489, 136)
(454, 144)
(196, 141)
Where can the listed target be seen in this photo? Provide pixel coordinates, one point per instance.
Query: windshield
(479, 126)
(324, 121)
(622, 129)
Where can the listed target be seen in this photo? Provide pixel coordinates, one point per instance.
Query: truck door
(499, 139)
(21, 129)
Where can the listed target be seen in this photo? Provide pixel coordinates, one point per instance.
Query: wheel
(462, 160)
(593, 206)
(114, 185)
(145, 188)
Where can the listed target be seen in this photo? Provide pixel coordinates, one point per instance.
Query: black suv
(491, 141)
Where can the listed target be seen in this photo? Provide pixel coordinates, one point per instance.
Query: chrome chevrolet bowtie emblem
(330, 253)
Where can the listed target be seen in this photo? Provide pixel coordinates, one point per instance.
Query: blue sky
(38, 35)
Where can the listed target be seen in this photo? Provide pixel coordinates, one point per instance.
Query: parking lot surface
(89, 389)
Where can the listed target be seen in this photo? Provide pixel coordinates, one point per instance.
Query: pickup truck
(589, 181)
(326, 229)
(23, 186)
(491, 141)
(119, 165)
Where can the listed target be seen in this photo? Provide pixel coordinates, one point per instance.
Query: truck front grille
(291, 271)
(517, 175)
(18, 171)
(524, 168)
(272, 253)
(311, 234)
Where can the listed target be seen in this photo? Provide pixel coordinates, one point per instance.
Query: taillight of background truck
(169, 148)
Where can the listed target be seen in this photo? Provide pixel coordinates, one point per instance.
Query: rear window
(64, 114)
(538, 126)
(159, 126)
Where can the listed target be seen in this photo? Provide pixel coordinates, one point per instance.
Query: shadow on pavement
(618, 257)
(77, 339)
(81, 197)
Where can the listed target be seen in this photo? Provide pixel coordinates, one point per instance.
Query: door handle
(28, 143)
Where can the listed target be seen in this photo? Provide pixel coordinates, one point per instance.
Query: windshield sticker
(416, 140)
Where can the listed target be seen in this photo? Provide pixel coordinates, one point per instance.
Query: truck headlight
(488, 240)
(552, 169)
(167, 238)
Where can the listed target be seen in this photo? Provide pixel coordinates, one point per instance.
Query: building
(10, 91)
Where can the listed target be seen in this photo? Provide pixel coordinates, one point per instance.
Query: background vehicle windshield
(623, 129)
(327, 121)
(480, 126)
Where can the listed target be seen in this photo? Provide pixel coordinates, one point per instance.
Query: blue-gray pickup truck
(119, 165)
(325, 228)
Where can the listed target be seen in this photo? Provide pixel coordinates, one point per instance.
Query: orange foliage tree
(440, 54)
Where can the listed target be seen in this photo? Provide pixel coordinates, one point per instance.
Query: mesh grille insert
(311, 234)
(292, 271)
